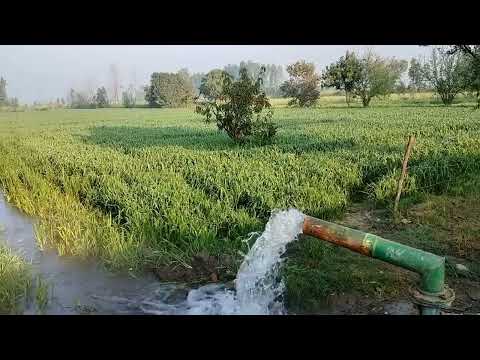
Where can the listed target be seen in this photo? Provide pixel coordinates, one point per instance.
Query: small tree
(129, 98)
(3, 92)
(344, 75)
(101, 99)
(212, 84)
(378, 77)
(239, 110)
(415, 75)
(167, 89)
(446, 74)
(186, 80)
(303, 84)
(472, 77)
(471, 55)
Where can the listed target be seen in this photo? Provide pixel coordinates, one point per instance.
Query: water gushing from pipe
(258, 289)
(257, 284)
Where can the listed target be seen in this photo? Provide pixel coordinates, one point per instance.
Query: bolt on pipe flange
(442, 300)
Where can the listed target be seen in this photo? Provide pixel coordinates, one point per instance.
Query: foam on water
(257, 285)
(258, 289)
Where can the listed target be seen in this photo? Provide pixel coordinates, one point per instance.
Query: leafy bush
(101, 99)
(343, 75)
(446, 74)
(239, 108)
(303, 85)
(169, 90)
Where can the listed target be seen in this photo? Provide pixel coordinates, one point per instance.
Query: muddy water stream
(78, 286)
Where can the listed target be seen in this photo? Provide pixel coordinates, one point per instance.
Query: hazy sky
(43, 73)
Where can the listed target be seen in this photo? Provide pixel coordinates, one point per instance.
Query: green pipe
(430, 311)
(430, 267)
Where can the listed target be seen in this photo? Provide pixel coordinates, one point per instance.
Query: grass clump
(42, 294)
(15, 282)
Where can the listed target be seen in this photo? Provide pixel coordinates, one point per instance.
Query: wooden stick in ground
(408, 150)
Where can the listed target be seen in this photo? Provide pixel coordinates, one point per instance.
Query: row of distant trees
(83, 100)
(448, 71)
(178, 89)
(272, 77)
(173, 89)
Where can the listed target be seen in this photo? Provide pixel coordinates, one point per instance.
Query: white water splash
(257, 285)
(258, 289)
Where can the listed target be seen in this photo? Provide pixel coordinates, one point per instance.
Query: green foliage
(272, 77)
(101, 99)
(400, 87)
(415, 74)
(472, 72)
(169, 90)
(42, 290)
(196, 79)
(187, 83)
(366, 77)
(238, 108)
(15, 281)
(264, 130)
(385, 188)
(303, 84)
(3, 92)
(344, 75)
(129, 98)
(446, 73)
(212, 85)
(378, 77)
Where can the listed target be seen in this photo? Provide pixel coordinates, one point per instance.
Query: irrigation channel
(79, 287)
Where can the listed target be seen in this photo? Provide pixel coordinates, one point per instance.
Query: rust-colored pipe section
(339, 235)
